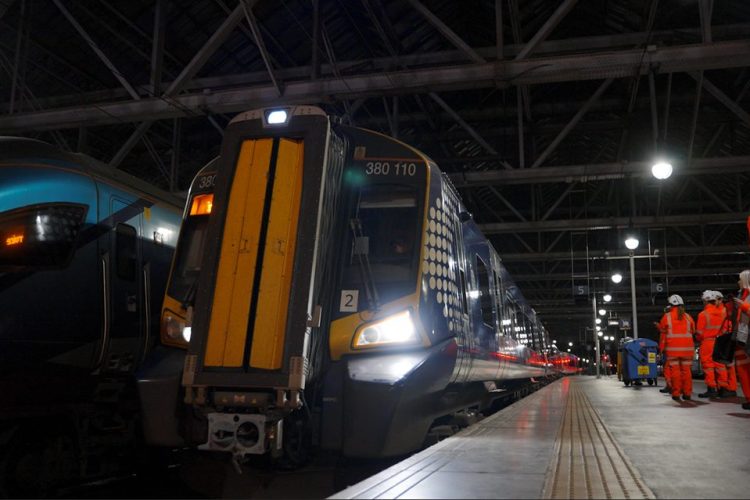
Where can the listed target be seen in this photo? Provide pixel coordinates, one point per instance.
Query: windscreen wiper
(189, 298)
(361, 250)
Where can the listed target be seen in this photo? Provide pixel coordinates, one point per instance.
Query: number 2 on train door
(349, 300)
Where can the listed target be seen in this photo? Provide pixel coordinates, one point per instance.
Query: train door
(126, 305)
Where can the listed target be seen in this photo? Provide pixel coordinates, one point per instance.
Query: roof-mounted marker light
(277, 117)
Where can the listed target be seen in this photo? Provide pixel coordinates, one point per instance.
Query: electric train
(346, 301)
(84, 257)
(159, 377)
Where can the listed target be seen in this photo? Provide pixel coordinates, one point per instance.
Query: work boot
(726, 393)
(686, 397)
(676, 398)
(666, 390)
(710, 393)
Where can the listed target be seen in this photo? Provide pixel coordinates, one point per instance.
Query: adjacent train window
(39, 235)
(485, 297)
(384, 232)
(126, 238)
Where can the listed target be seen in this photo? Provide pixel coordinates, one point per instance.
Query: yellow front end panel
(278, 259)
(227, 332)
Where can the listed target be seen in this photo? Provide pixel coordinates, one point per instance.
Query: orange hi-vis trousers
(681, 379)
(742, 365)
(668, 373)
(707, 361)
(726, 376)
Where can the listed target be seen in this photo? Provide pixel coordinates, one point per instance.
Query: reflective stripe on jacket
(678, 334)
(709, 322)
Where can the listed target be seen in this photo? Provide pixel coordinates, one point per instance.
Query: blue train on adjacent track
(84, 257)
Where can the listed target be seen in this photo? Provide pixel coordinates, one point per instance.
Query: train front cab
(159, 377)
(257, 297)
(392, 342)
(261, 334)
(304, 300)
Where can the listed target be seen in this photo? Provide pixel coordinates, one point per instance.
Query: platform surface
(583, 437)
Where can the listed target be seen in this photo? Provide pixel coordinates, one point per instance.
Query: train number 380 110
(385, 168)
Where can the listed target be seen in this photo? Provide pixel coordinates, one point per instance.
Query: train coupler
(243, 434)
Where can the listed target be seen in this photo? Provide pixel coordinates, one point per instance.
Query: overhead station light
(616, 278)
(661, 170)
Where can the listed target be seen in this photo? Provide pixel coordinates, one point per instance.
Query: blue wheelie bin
(639, 361)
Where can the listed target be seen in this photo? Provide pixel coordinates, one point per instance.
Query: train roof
(22, 148)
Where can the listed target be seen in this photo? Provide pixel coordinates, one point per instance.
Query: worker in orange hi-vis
(708, 327)
(726, 377)
(662, 345)
(679, 347)
(741, 358)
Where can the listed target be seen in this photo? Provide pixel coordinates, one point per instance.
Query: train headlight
(277, 117)
(175, 328)
(396, 329)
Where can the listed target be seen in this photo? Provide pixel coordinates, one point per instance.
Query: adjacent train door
(127, 310)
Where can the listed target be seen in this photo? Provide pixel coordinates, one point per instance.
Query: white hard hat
(708, 295)
(676, 300)
(718, 295)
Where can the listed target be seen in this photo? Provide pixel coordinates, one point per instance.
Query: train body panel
(399, 310)
(84, 256)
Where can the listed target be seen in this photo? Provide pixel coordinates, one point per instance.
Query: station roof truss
(546, 114)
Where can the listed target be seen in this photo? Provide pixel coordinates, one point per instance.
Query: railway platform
(583, 437)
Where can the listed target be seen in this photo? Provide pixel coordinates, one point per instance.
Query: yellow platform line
(588, 461)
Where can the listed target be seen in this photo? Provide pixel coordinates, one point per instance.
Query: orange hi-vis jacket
(678, 334)
(709, 322)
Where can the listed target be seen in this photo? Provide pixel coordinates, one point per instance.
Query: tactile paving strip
(589, 463)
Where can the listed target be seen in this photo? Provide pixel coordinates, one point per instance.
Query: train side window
(464, 303)
(125, 248)
(514, 325)
(499, 303)
(485, 297)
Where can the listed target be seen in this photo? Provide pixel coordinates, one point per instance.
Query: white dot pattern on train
(439, 266)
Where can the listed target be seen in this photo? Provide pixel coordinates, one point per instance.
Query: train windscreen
(385, 237)
(39, 236)
(190, 248)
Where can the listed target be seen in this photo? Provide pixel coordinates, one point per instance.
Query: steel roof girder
(538, 70)
(594, 224)
(596, 172)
